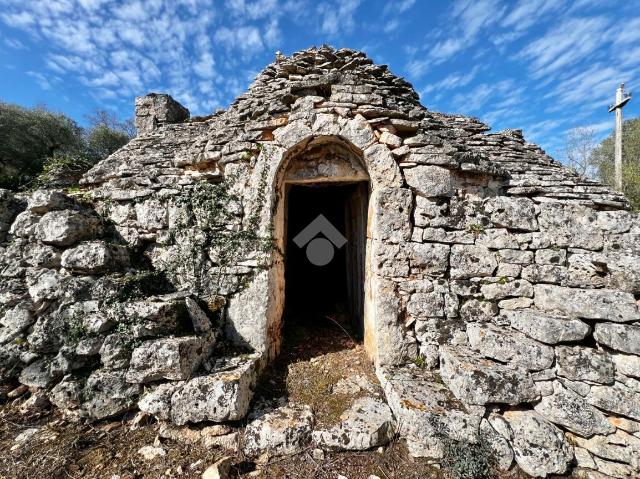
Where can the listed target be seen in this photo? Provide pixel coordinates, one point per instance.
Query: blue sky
(541, 65)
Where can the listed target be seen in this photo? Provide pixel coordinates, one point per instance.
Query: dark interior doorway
(327, 295)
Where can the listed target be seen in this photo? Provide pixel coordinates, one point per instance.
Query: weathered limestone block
(545, 273)
(43, 256)
(199, 319)
(46, 285)
(67, 227)
(432, 258)
(507, 345)
(108, 394)
(480, 311)
(18, 318)
(619, 221)
(512, 213)
(24, 225)
(503, 454)
(430, 181)
(43, 201)
(252, 312)
(620, 447)
(39, 374)
(547, 328)
(366, 424)
(391, 212)
(152, 317)
(389, 260)
(627, 364)
(569, 410)
(498, 239)
(621, 337)
(168, 358)
(47, 334)
(507, 289)
(476, 380)
(285, 430)
(580, 363)
(570, 225)
(67, 394)
(606, 304)
(382, 166)
(95, 257)
(553, 256)
(539, 446)
(393, 345)
(151, 214)
(220, 396)
(426, 305)
(157, 401)
(115, 352)
(157, 109)
(471, 261)
(426, 411)
(430, 212)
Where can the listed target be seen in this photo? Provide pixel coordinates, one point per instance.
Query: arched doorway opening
(324, 205)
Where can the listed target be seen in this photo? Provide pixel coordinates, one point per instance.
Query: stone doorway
(325, 226)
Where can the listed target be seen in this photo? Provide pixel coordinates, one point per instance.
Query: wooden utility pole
(622, 99)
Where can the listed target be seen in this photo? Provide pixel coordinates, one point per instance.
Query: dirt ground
(313, 369)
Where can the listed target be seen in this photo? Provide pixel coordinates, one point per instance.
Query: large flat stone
(284, 430)
(621, 337)
(109, 394)
(571, 411)
(168, 358)
(606, 304)
(221, 396)
(366, 424)
(580, 363)
(512, 213)
(469, 261)
(617, 399)
(67, 227)
(428, 414)
(477, 380)
(539, 446)
(428, 180)
(510, 346)
(547, 328)
(95, 257)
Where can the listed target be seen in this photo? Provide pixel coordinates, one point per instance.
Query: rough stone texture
(471, 261)
(171, 358)
(67, 227)
(509, 346)
(285, 430)
(569, 410)
(603, 304)
(220, 396)
(368, 423)
(476, 380)
(621, 337)
(547, 328)
(584, 364)
(512, 213)
(540, 448)
(95, 257)
(426, 411)
(156, 109)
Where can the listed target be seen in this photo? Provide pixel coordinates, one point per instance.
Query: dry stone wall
(504, 288)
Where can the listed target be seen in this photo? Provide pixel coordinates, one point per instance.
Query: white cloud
(338, 16)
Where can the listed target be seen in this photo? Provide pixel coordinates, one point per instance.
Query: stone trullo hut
(515, 281)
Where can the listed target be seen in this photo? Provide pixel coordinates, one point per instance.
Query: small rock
(220, 470)
(17, 392)
(318, 454)
(150, 453)
(141, 419)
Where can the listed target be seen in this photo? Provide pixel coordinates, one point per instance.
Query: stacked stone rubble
(515, 280)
